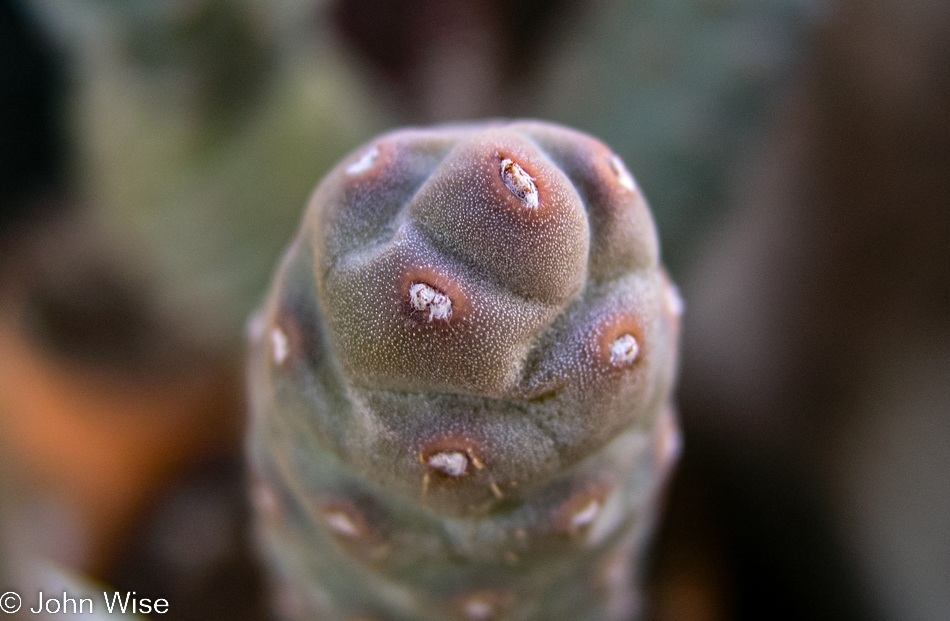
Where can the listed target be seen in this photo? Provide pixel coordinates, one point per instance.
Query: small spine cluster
(460, 383)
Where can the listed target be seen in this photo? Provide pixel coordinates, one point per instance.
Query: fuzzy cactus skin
(460, 382)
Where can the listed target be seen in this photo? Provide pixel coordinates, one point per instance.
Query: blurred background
(155, 158)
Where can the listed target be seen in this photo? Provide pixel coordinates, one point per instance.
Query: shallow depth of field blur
(155, 158)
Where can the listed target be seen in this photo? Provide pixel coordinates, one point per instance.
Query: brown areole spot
(452, 457)
(347, 522)
(484, 605)
(279, 346)
(619, 342)
(521, 187)
(425, 298)
(576, 514)
(365, 162)
(624, 178)
(371, 163)
(624, 350)
(519, 183)
(431, 296)
(285, 338)
(669, 441)
(449, 463)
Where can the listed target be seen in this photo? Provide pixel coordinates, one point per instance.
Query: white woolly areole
(363, 164)
(623, 175)
(279, 343)
(586, 515)
(669, 439)
(452, 463)
(674, 301)
(341, 523)
(478, 609)
(519, 183)
(624, 350)
(425, 298)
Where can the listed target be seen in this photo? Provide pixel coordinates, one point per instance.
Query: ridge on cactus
(460, 383)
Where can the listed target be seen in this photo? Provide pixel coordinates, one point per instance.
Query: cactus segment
(460, 383)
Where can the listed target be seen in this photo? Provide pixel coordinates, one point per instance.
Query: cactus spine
(460, 383)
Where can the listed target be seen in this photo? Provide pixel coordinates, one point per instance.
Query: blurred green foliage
(200, 129)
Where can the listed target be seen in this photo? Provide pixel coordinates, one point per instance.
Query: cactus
(460, 383)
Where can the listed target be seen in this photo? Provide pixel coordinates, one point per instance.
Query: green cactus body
(461, 383)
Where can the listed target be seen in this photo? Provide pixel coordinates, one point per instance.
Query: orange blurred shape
(97, 444)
